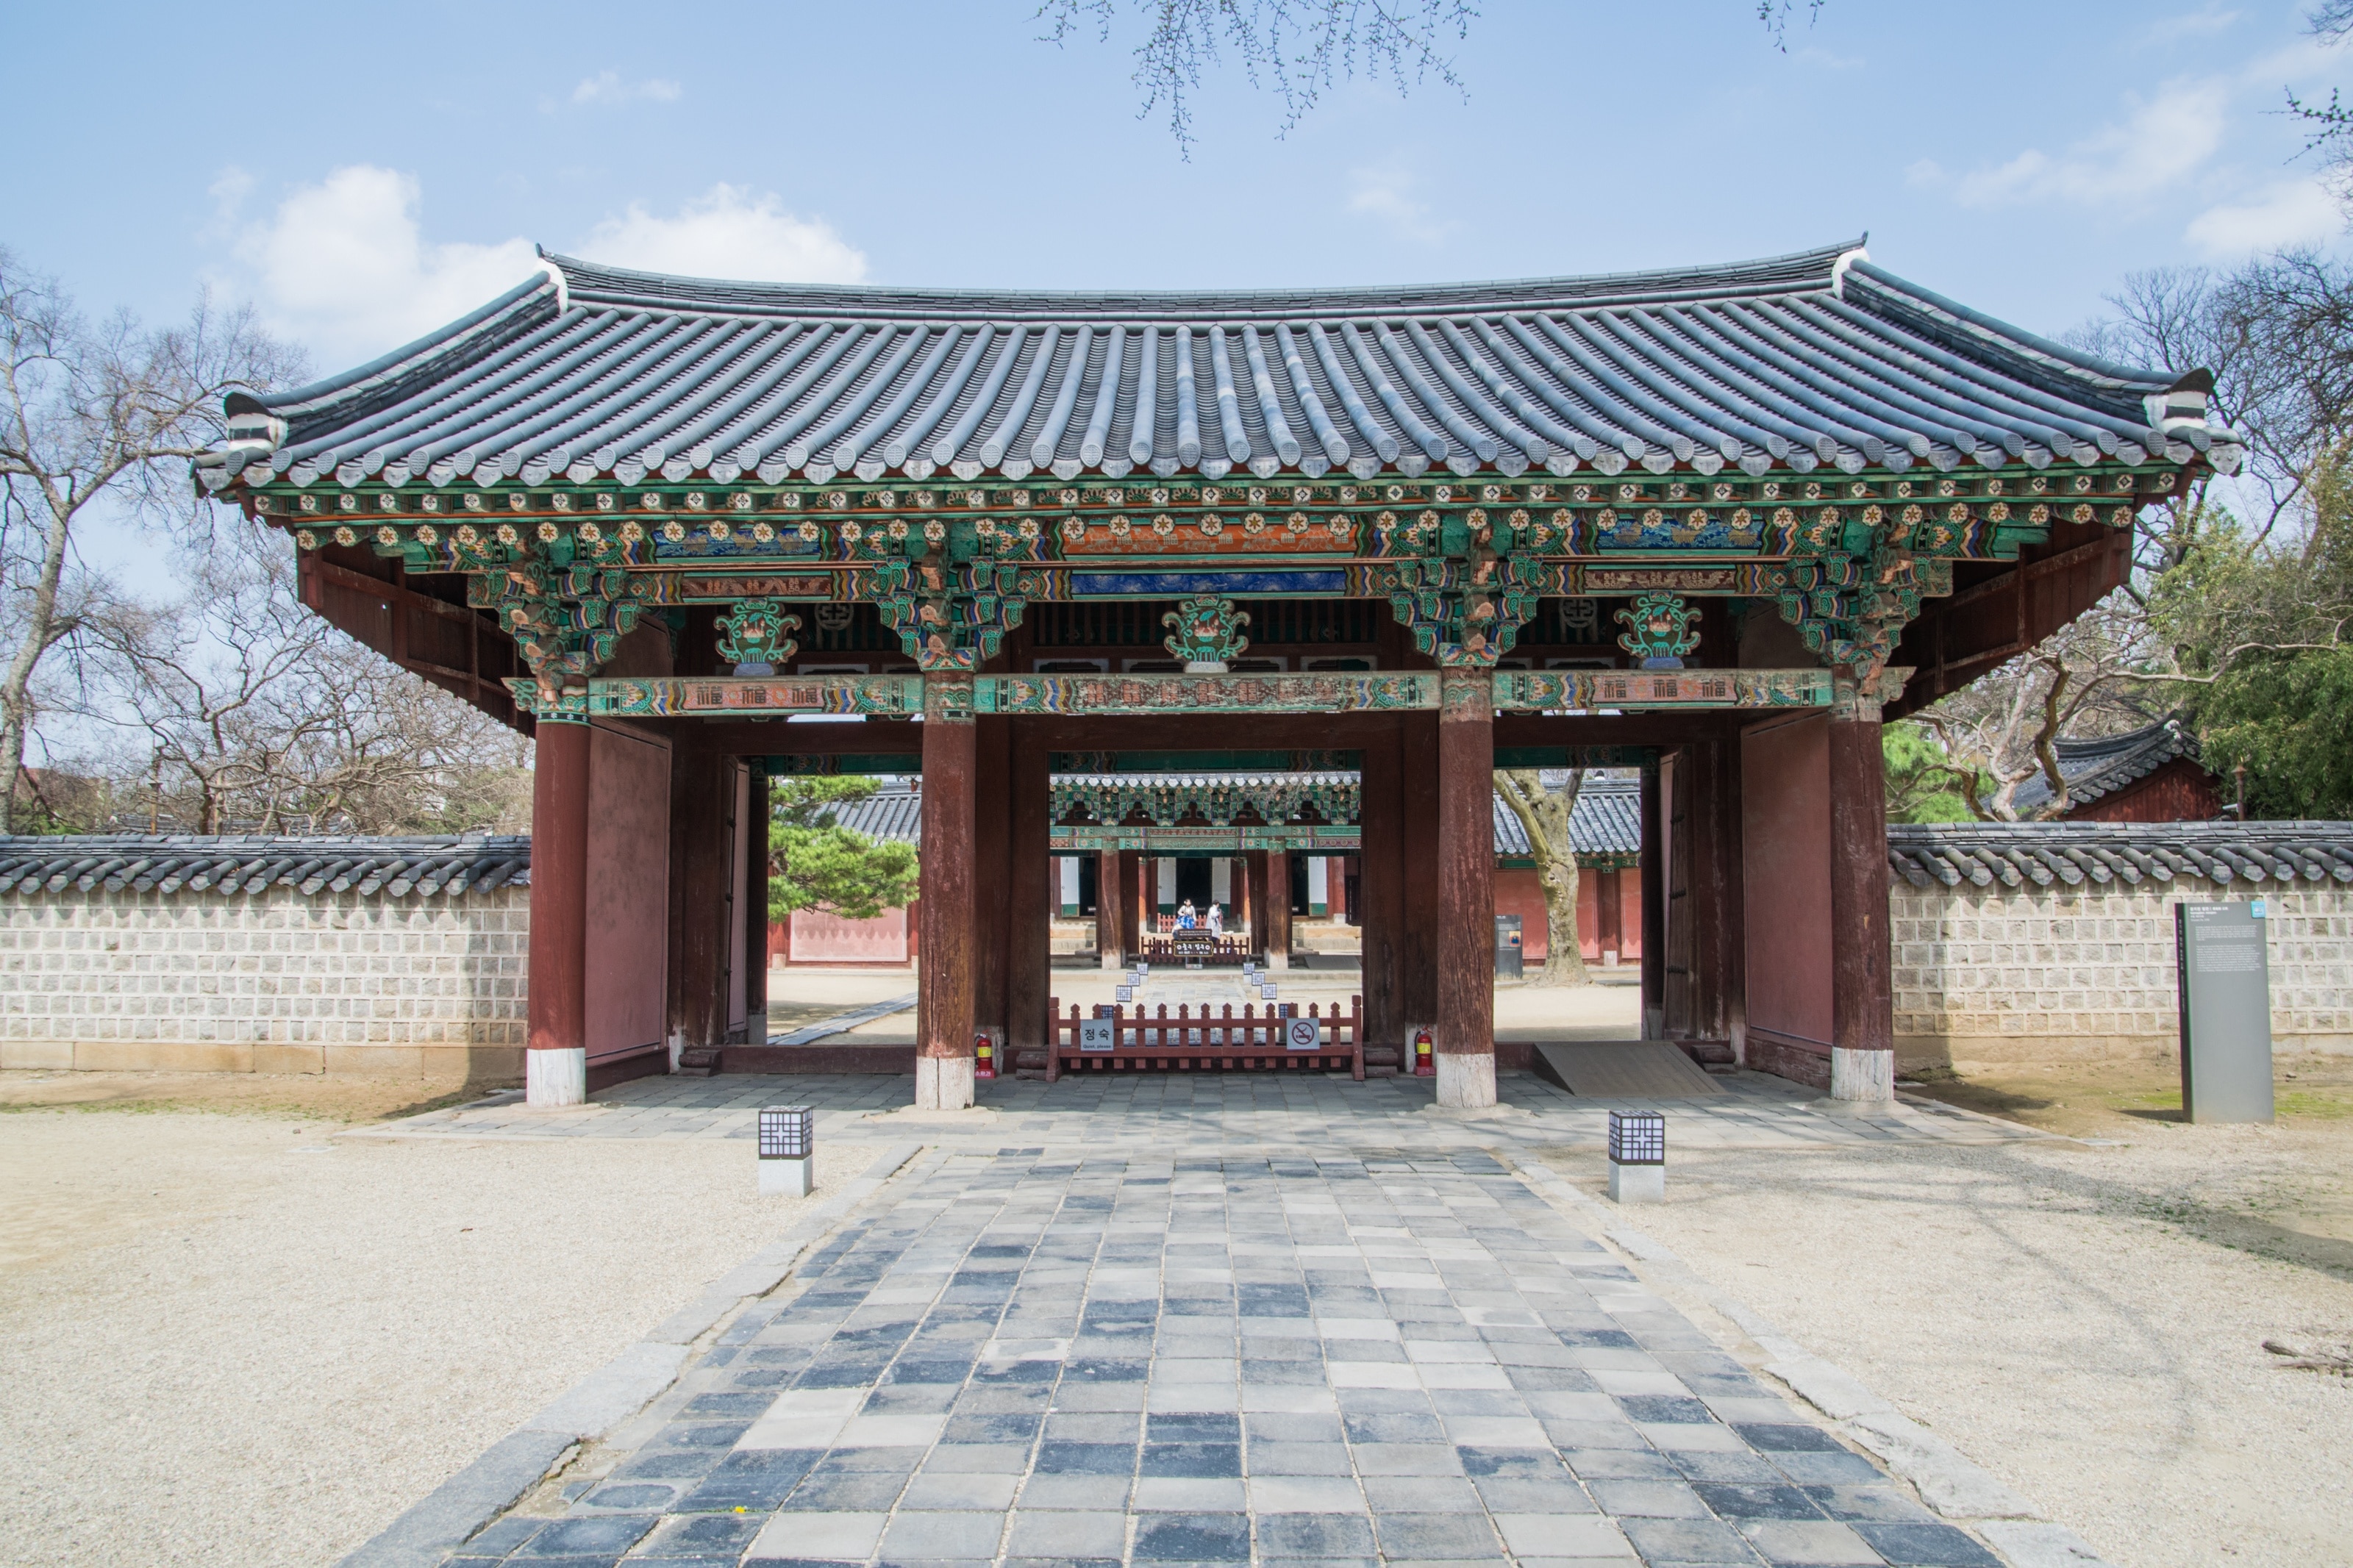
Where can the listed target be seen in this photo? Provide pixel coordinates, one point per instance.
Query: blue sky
(363, 171)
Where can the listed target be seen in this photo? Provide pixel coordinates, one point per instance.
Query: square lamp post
(1638, 1157)
(787, 1149)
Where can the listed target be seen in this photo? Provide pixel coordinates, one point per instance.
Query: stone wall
(270, 981)
(2001, 975)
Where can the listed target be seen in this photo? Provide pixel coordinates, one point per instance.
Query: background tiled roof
(2102, 766)
(2017, 853)
(192, 863)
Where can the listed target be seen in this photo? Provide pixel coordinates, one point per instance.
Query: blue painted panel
(1175, 584)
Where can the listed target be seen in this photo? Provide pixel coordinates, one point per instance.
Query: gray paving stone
(1128, 1359)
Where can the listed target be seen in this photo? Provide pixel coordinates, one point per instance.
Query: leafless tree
(93, 416)
(246, 711)
(1544, 815)
(2004, 729)
(1296, 47)
(2278, 335)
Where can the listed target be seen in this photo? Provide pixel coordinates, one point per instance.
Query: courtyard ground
(239, 1325)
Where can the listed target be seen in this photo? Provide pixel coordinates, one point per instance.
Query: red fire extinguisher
(984, 1057)
(1424, 1065)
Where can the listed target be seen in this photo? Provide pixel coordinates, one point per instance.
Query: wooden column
(1654, 906)
(1111, 903)
(1253, 912)
(1278, 908)
(1417, 953)
(1030, 920)
(1465, 1030)
(943, 1051)
(556, 1065)
(1862, 999)
(995, 873)
(699, 783)
(1380, 920)
(1610, 906)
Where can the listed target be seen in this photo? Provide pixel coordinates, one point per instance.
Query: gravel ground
(239, 1339)
(2087, 1322)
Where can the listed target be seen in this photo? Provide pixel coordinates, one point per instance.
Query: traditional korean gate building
(661, 521)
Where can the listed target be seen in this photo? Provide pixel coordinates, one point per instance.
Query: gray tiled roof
(195, 864)
(2102, 766)
(1608, 820)
(2016, 853)
(588, 372)
(894, 812)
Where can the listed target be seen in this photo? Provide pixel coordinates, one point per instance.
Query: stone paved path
(1017, 1355)
(1154, 1111)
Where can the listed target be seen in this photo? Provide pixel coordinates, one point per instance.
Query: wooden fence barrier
(1277, 1037)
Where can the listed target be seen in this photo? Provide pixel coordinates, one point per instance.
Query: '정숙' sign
(1097, 1034)
(1301, 1034)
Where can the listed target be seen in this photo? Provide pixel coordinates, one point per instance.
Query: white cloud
(342, 266)
(727, 232)
(2164, 141)
(607, 90)
(2292, 212)
(1386, 195)
(2199, 24)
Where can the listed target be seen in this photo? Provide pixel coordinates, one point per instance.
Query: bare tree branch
(106, 415)
(1295, 48)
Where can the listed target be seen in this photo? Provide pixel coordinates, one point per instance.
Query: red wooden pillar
(1111, 905)
(701, 783)
(1465, 1032)
(1862, 998)
(557, 1066)
(1380, 919)
(1278, 908)
(1418, 861)
(993, 871)
(1030, 920)
(944, 1057)
(1654, 904)
(1610, 905)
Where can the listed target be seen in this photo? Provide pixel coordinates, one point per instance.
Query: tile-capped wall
(2008, 974)
(270, 981)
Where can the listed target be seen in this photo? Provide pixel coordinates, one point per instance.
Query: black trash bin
(1507, 947)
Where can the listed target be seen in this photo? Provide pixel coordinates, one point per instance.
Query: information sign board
(1302, 1034)
(1097, 1034)
(2224, 974)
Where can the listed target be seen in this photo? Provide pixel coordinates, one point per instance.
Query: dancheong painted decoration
(1811, 434)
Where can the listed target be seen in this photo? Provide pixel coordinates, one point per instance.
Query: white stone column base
(1637, 1183)
(786, 1178)
(944, 1083)
(1467, 1082)
(1110, 959)
(552, 1079)
(1864, 1077)
(1278, 960)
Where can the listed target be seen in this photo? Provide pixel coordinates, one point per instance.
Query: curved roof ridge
(592, 282)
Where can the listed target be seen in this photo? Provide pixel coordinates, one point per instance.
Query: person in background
(1216, 921)
(1186, 916)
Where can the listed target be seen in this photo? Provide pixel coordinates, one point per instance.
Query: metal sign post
(2224, 979)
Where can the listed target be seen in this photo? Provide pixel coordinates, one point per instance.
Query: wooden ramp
(1624, 1069)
